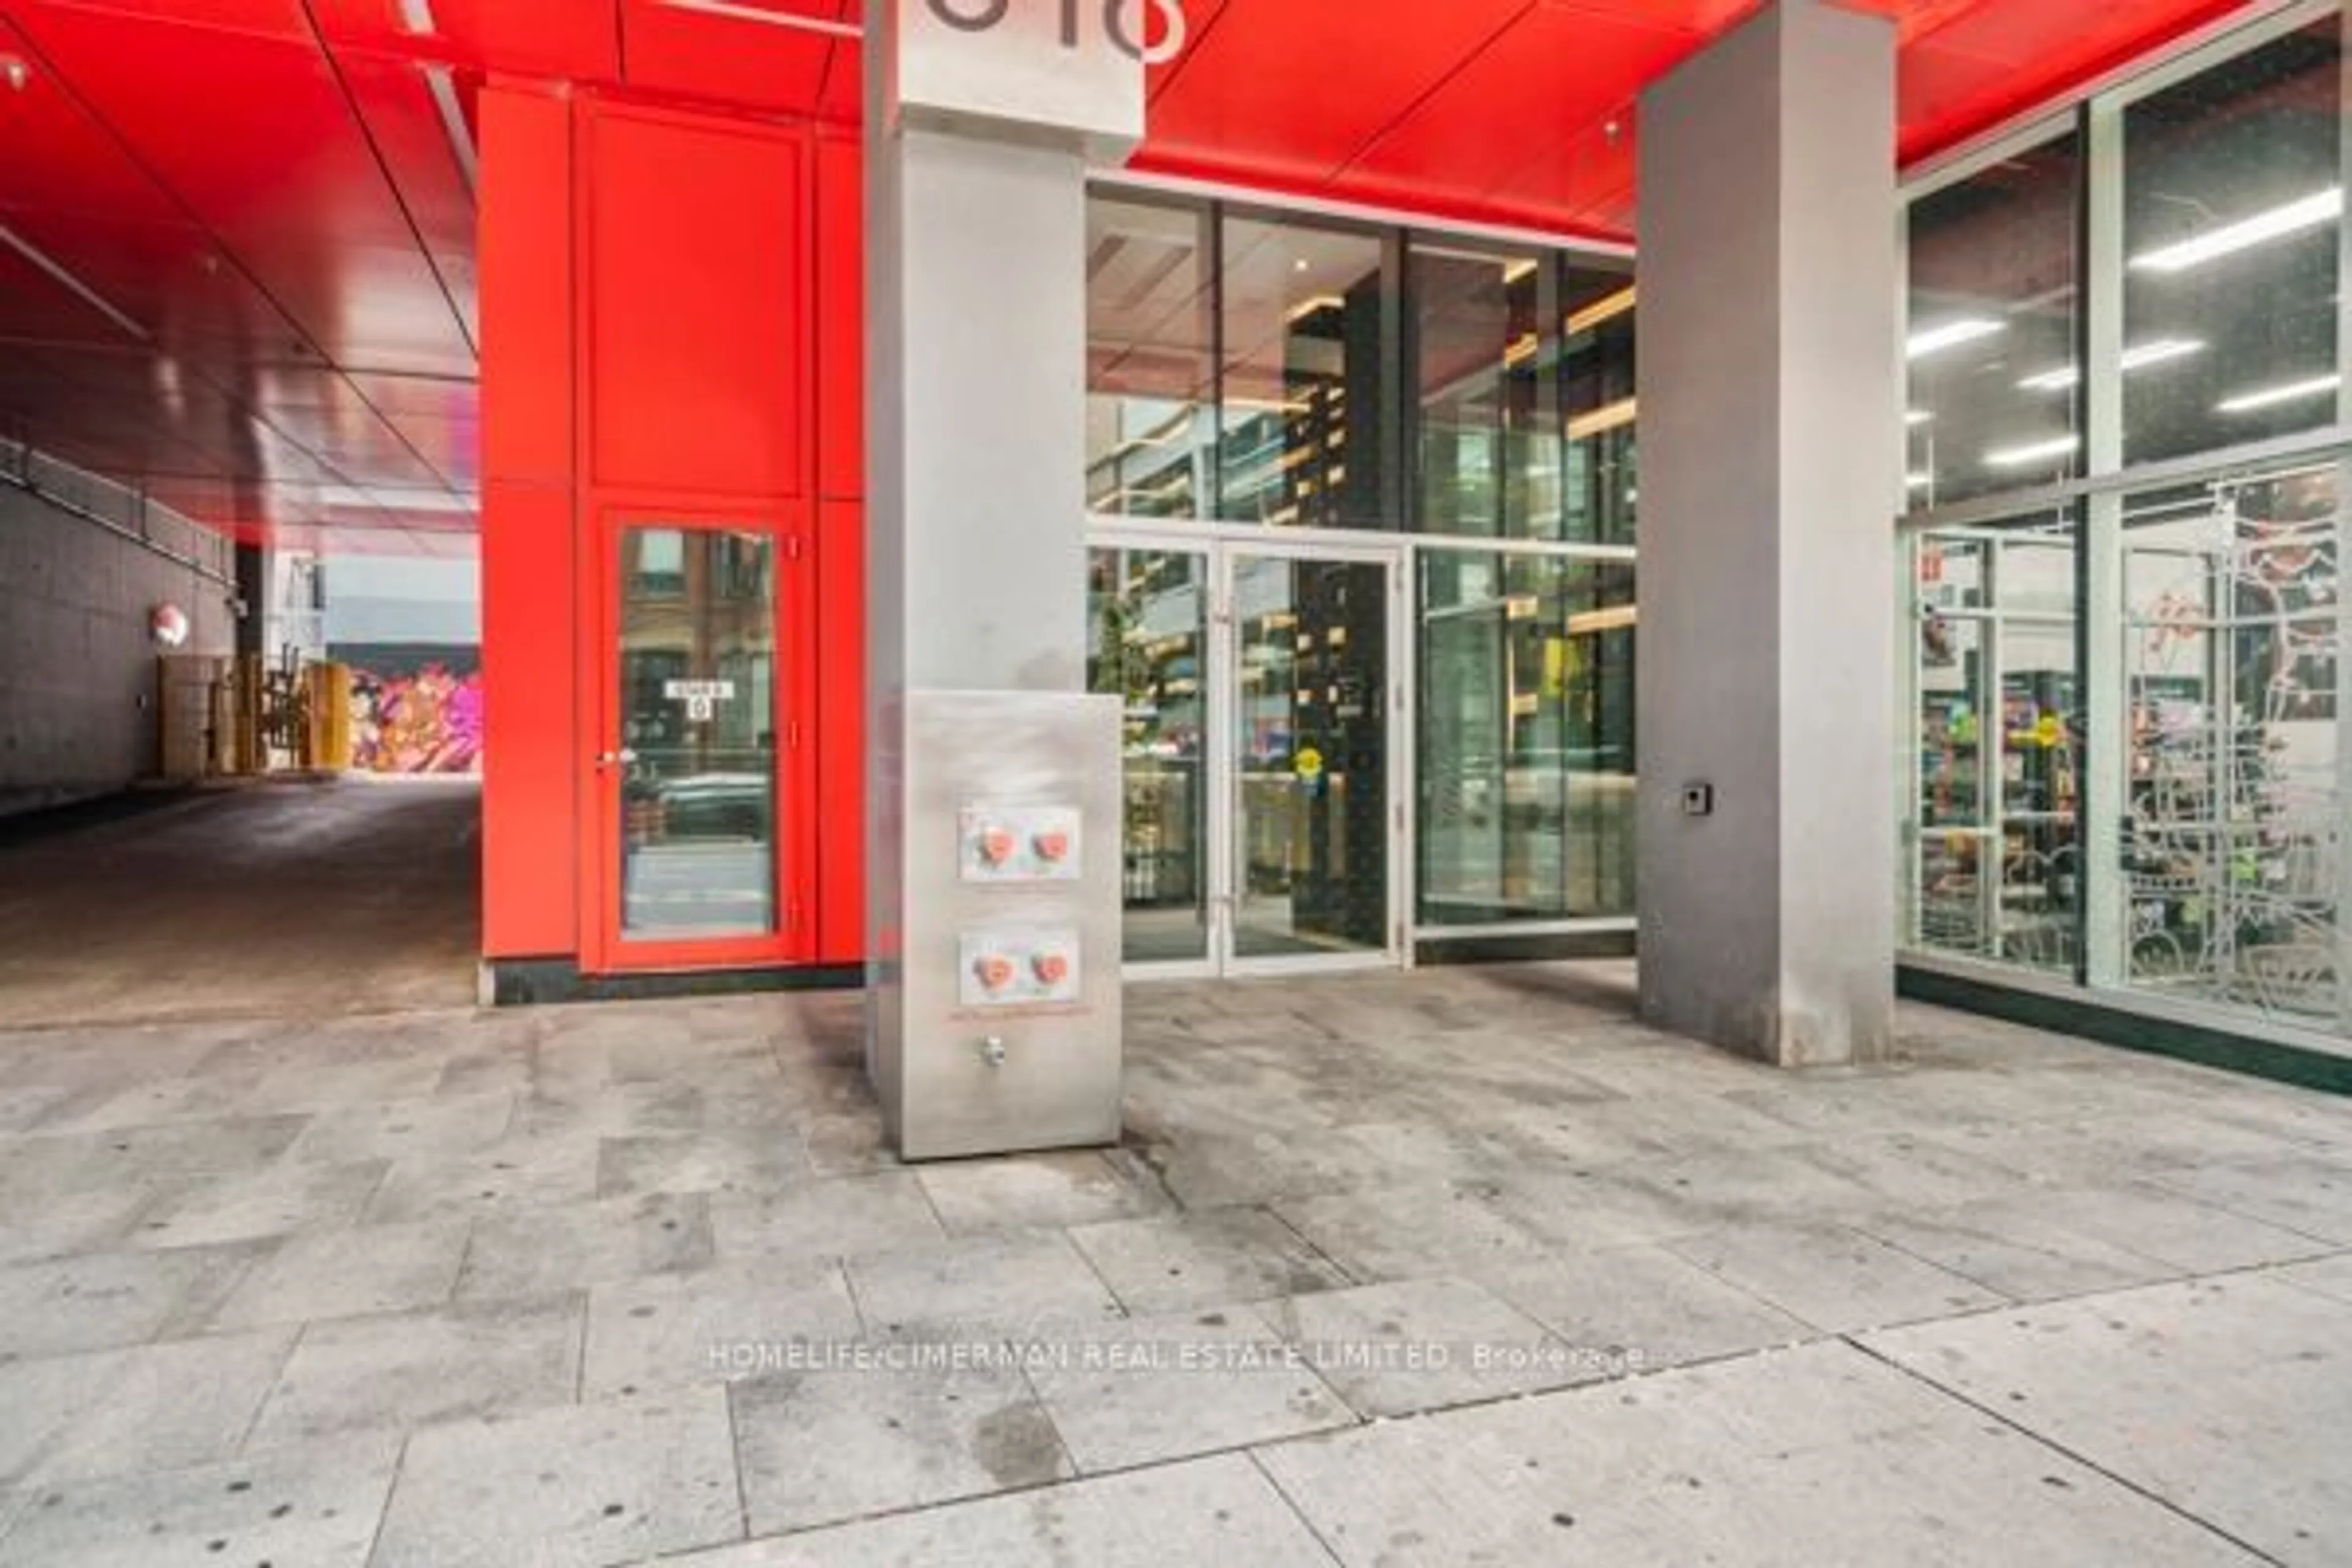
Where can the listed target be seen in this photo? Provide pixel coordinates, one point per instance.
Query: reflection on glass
(1149, 359)
(1599, 489)
(1488, 353)
(697, 690)
(2234, 199)
(1303, 383)
(1147, 617)
(1527, 738)
(2233, 842)
(1310, 823)
(1995, 817)
(1992, 329)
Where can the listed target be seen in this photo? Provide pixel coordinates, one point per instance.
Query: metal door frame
(1221, 548)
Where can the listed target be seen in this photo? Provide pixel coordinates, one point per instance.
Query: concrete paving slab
(81, 1219)
(2221, 1396)
(2310, 1195)
(1209, 1513)
(152, 1407)
(1414, 1232)
(1799, 1458)
(666, 1329)
(524, 1253)
(2178, 1231)
(163, 1151)
(274, 1201)
(348, 1273)
(752, 1161)
(1394, 1350)
(1643, 1308)
(1010, 1284)
(832, 1217)
(1178, 1387)
(614, 1482)
(1172, 1263)
(847, 1144)
(519, 1171)
(1835, 1278)
(313, 1507)
(411, 1369)
(2328, 1276)
(432, 1127)
(1031, 1191)
(99, 1300)
(2014, 1247)
(823, 1446)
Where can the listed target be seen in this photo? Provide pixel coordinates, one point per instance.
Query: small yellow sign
(2050, 731)
(1308, 764)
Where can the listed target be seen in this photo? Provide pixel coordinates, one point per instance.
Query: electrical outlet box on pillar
(1001, 1030)
(994, 830)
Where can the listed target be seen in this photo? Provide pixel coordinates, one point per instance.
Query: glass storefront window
(2233, 201)
(1304, 321)
(1991, 344)
(1149, 359)
(1487, 355)
(1996, 713)
(2230, 858)
(1600, 488)
(1526, 737)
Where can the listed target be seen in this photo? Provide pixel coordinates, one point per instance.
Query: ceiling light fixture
(1916, 417)
(2272, 397)
(2033, 452)
(2310, 212)
(1951, 335)
(1603, 309)
(2064, 377)
(416, 16)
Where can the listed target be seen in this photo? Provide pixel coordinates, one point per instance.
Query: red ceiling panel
(293, 231)
(1278, 90)
(771, 65)
(1573, 63)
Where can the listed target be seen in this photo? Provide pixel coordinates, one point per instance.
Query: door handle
(621, 758)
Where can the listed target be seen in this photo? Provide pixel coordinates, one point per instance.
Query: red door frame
(602, 947)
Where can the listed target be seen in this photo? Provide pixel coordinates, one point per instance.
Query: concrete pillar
(981, 119)
(1772, 476)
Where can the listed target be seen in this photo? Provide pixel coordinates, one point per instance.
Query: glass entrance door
(694, 768)
(1263, 780)
(1310, 787)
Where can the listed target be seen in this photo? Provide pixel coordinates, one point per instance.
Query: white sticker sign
(699, 691)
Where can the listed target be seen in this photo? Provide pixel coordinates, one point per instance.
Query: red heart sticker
(1053, 846)
(1052, 968)
(995, 971)
(995, 846)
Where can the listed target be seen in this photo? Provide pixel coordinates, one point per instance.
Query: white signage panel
(1060, 69)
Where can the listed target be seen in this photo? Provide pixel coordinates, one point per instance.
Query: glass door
(699, 743)
(1311, 787)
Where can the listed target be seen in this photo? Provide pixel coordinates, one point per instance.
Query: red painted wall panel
(841, 731)
(531, 884)
(698, 331)
(840, 316)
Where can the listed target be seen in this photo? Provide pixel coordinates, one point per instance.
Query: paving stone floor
(1461, 1266)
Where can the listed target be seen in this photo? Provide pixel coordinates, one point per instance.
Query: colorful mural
(414, 713)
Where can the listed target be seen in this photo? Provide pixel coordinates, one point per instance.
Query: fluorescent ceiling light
(1601, 421)
(2033, 452)
(1951, 335)
(1920, 481)
(1604, 309)
(416, 16)
(2063, 378)
(2272, 397)
(2310, 212)
(1916, 417)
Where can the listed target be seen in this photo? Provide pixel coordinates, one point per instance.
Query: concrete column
(1772, 475)
(981, 123)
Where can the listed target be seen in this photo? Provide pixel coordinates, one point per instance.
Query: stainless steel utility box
(995, 1022)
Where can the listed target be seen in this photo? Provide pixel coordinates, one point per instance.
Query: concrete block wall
(77, 661)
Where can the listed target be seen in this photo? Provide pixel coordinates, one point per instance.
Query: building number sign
(1125, 23)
